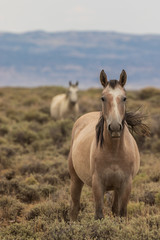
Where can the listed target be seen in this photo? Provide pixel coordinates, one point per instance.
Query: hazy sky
(128, 16)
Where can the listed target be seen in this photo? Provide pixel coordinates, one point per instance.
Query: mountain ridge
(41, 58)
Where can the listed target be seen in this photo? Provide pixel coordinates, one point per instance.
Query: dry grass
(34, 179)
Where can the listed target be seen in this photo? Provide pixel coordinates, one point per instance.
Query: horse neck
(70, 104)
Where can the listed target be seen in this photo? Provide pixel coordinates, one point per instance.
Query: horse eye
(102, 98)
(124, 99)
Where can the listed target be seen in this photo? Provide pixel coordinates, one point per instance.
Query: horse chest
(113, 172)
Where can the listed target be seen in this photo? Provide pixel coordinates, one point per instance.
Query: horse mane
(99, 131)
(135, 123)
(133, 120)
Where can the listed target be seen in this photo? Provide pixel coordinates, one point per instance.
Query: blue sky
(137, 17)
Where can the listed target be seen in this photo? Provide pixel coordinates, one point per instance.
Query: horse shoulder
(82, 137)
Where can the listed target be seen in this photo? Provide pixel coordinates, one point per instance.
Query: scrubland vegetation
(34, 179)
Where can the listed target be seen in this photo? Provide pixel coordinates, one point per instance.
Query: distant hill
(42, 58)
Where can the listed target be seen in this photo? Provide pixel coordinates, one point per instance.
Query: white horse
(63, 104)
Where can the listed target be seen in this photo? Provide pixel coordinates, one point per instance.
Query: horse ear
(70, 83)
(103, 78)
(123, 78)
(77, 83)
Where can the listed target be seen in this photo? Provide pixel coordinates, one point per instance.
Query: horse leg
(98, 194)
(124, 194)
(115, 207)
(76, 188)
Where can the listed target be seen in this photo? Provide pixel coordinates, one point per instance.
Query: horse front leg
(98, 194)
(76, 188)
(123, 198)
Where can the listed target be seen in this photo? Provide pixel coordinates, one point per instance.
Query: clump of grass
(31, 180)
(10, 208)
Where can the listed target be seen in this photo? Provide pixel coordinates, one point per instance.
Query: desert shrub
(148, 198)
(6, 155)
(36, 116)
(28, 194)
(45, 109)
(155, 177)
(49, 211)
(60, 130)
(135, 208)
(46, 190)
(155, 146)
(23, 136)
(140, 178)
(14, 114)
(3, 141)
(25, 193)
(10, 208)
(19, 232)
(10, 174)
(65, 149)
(4, 120)
(31, 101)
(148, 93)
(64, 175)
(3, 130)
(35, 167)
(31, 180)
(8, 186)
(155, 125)
(51, 179)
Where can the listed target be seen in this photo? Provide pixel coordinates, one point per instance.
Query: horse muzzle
(115, 129)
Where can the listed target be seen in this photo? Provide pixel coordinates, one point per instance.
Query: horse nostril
(120, 127)
(109, 127)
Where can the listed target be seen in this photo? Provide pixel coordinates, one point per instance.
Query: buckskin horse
(103, 153)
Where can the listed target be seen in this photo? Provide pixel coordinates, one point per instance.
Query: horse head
(73, 92)
(113, 103)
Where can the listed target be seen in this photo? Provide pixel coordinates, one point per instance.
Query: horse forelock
(113, 83)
